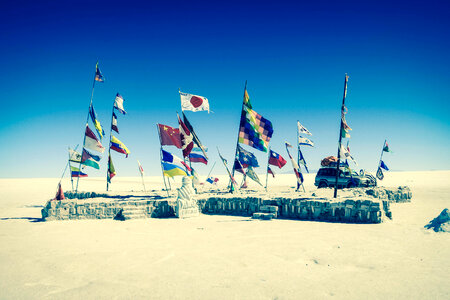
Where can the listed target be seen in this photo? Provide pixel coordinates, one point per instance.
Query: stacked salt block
(230, 206)
(398, 195)
(105, 209)
(348, 210)
(267, 212)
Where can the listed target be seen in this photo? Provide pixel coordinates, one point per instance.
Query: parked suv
(326, 177)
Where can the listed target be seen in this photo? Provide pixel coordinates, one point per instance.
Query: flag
(212, 180)
(247, 98)
(194, 136)
(193, 102)
(383, 166)
(111, 170)
(74, 156)
(345, 133)
(76, 172)
(380, 175)
(302, 129)
(269, 170)
(171, 170)
(197, 158)
(195, 177)
(255, 130)
(114, 123)
(350, 156)
(141, 170)
(91, 142)
(186, 138)
(386, 148)
(118, 146)
(224, 161)
(118, 104)
(305, 141)
(89, 159)
(295, 167)
(97, 125)
(170, 158)
(344, 153)
(251, 173)
(302, 160)
(98, 75)
(246, 158)
(169, 136)
(197, 149)
(238, 167)
(59, 193)
(276, 159)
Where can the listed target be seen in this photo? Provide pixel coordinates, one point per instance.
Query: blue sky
(294, 57)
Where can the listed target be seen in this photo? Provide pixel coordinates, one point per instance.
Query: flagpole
(160, 159)
(142, 174)
(65, 169)
(298, 155)
(209, 174)
(87, 120)
(381, 156)
(237, 142)
(109, 147)
(267, 170)
(340, 138)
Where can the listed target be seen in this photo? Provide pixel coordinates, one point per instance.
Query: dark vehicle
(326, 177)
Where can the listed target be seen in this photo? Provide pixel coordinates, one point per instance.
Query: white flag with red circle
(193, 102)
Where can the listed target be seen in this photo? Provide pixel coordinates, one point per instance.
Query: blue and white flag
(305, 141)
(302, 129)
(383, 165)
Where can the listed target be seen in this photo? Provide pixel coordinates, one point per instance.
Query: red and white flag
(187, 141)
(140, 168)
(193, 102)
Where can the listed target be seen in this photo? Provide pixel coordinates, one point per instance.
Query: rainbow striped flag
(255, 130)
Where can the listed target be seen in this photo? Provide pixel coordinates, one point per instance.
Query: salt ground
(223, 257)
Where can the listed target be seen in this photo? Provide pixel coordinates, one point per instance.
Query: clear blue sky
(294, 57)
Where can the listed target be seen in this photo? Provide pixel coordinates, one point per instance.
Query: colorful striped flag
(118, 146)
(89, 159)
(255, 130)
(170, 158)
(111, 170)
(197, 158)
(97, 124)
(76, 172)
(171, 170)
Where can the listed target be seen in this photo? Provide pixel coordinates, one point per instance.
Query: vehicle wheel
(322, 185)
(351, 184)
